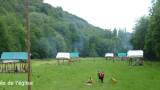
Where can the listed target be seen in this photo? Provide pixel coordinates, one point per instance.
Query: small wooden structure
(74, 56)
(63, 56)
(135, 57)
(109, 55)
(14, 62)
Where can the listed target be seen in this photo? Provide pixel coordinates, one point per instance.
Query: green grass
(48, 75)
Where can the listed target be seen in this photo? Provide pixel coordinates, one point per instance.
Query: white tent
(109, 55)
(63, 55)
(135, 53)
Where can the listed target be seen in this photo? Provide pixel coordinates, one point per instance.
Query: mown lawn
(48, 75)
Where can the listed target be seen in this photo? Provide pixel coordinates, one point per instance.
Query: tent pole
(28, 42)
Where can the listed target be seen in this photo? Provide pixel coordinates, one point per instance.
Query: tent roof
(74, 54)
(109, 55)
(135, 53)
(63, 55)
(122, 54)
(14, 56)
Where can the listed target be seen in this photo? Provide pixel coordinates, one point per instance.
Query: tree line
(55, 30)
(146, 34)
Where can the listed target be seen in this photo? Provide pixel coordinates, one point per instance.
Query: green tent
(14, 56)
(122, 54)
(74, 54)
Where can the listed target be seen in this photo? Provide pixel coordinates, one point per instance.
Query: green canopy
(74, 54)
(122, 54)
(21, 56)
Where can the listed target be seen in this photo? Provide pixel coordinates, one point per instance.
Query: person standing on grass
(101, 76)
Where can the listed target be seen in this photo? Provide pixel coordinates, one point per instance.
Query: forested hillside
(54, 30)
(147, 33)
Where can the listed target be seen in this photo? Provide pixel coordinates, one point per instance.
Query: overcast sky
(106, 14)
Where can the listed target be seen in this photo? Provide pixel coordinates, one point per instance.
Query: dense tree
(140, 29)
(4, 45)
(53, 30)
(147, 33)
(154, 30)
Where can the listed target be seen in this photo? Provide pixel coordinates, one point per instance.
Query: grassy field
(47, 75)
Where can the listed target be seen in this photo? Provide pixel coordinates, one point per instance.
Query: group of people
(100, 78)
(136, 62)
(13, 67)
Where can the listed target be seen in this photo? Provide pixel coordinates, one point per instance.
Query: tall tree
(139, 34)
(5, 38)
(154, 30)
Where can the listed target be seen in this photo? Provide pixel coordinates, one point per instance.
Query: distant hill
(54, 30)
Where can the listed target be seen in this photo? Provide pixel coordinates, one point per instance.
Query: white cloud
(106, 13)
